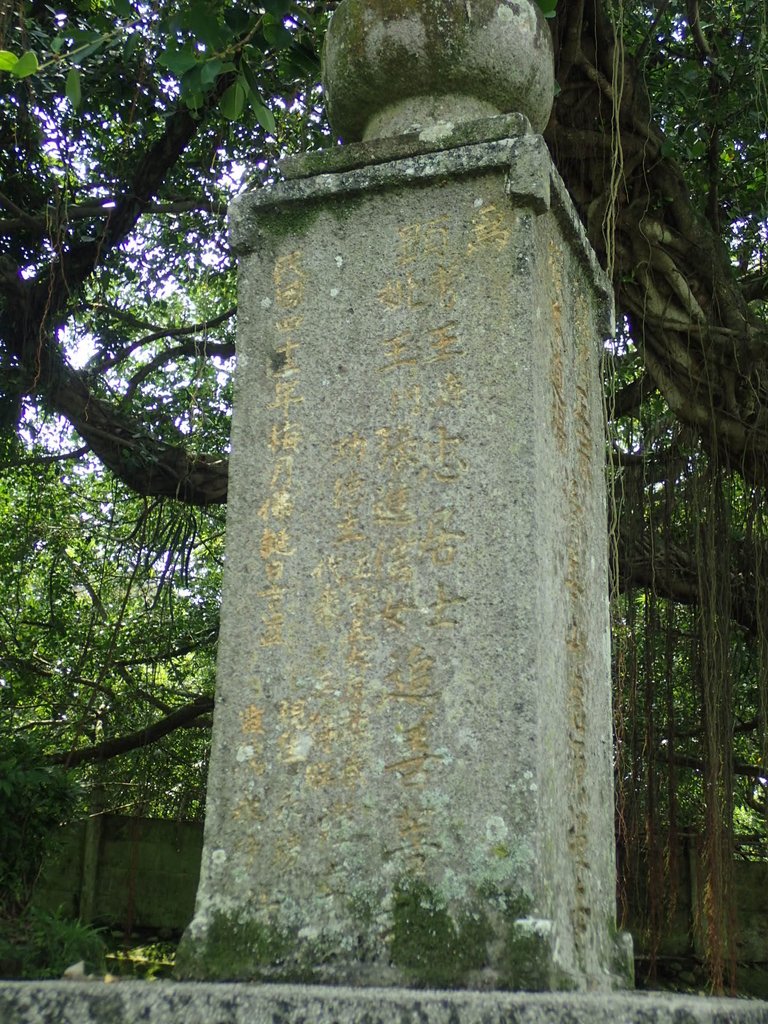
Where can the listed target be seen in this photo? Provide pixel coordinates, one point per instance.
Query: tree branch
(35, 309)
(148, 466)
(755, 287)
(628, 400)
(156, 332)
(194, 643)
(189, 349)
(53, 219)
(703, 347)
(683, 761)
(53, 289)
(135, 740)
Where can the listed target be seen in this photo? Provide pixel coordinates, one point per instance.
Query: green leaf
(277, 7)
(78, 56)
(250, 79)
(211, 70)
(123, 9)
(262, 112)
(302, 61)
(201, 20)
(548, 7)
(276, 34)
(81, 36)
(194, 100)
(26, 65)
(232, 102)
(131, 44)
(264, 116)
(178, 61)
(72, 88)
(7, 60)
(192, 81)
(238, 20)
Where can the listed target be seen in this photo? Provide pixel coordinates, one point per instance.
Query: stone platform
(131, 1002)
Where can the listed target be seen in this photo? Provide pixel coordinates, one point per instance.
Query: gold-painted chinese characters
(276, 545)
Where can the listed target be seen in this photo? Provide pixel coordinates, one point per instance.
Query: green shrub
(34, 800)
(41, 945)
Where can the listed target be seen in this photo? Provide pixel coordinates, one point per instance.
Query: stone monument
(411, 775)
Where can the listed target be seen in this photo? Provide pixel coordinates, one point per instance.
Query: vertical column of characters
(572, 428)
(274, 540)
(284, 439)
(341, 609)
(351, 502)
(410, 687)
(581, 473)
(447, 463)
(419, 456)
(248, 810)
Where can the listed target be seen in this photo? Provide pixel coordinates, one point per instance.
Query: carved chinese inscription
(276, 545)
(385, 593)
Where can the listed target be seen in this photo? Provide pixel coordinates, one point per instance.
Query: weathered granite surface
(392, 66)
(411, 771)
(432, 139)
(165, 1003)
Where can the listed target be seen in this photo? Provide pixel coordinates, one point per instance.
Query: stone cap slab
(131, 1002)
(445, 135)
(505, 142)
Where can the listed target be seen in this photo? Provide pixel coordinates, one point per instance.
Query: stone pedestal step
(131, 1002)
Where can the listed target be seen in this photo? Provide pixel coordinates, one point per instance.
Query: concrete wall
(129, 872)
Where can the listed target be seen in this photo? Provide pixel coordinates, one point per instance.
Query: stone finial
(394, 66)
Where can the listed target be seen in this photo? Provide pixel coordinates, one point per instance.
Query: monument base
(427, 950)
(128, 1002)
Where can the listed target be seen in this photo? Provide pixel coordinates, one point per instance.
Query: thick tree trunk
(702, 347)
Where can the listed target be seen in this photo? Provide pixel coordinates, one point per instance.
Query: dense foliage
(124, 135)
(125, 128)
(34, 798)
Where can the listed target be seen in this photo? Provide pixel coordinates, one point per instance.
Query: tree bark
(703, 348)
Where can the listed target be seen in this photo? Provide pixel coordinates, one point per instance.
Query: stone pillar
(411, 776)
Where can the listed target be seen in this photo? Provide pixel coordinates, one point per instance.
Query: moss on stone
(428, 945)
(511, 903)
(524, 958)
(526, 961)
(292, 219)
(431, 944)
(622, 965)
(233, 949)
(362, 907)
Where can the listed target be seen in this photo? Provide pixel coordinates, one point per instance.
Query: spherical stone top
(393, 66)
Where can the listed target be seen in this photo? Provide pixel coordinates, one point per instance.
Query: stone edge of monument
(443, 135)
(128, 1002)
(420, 166)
